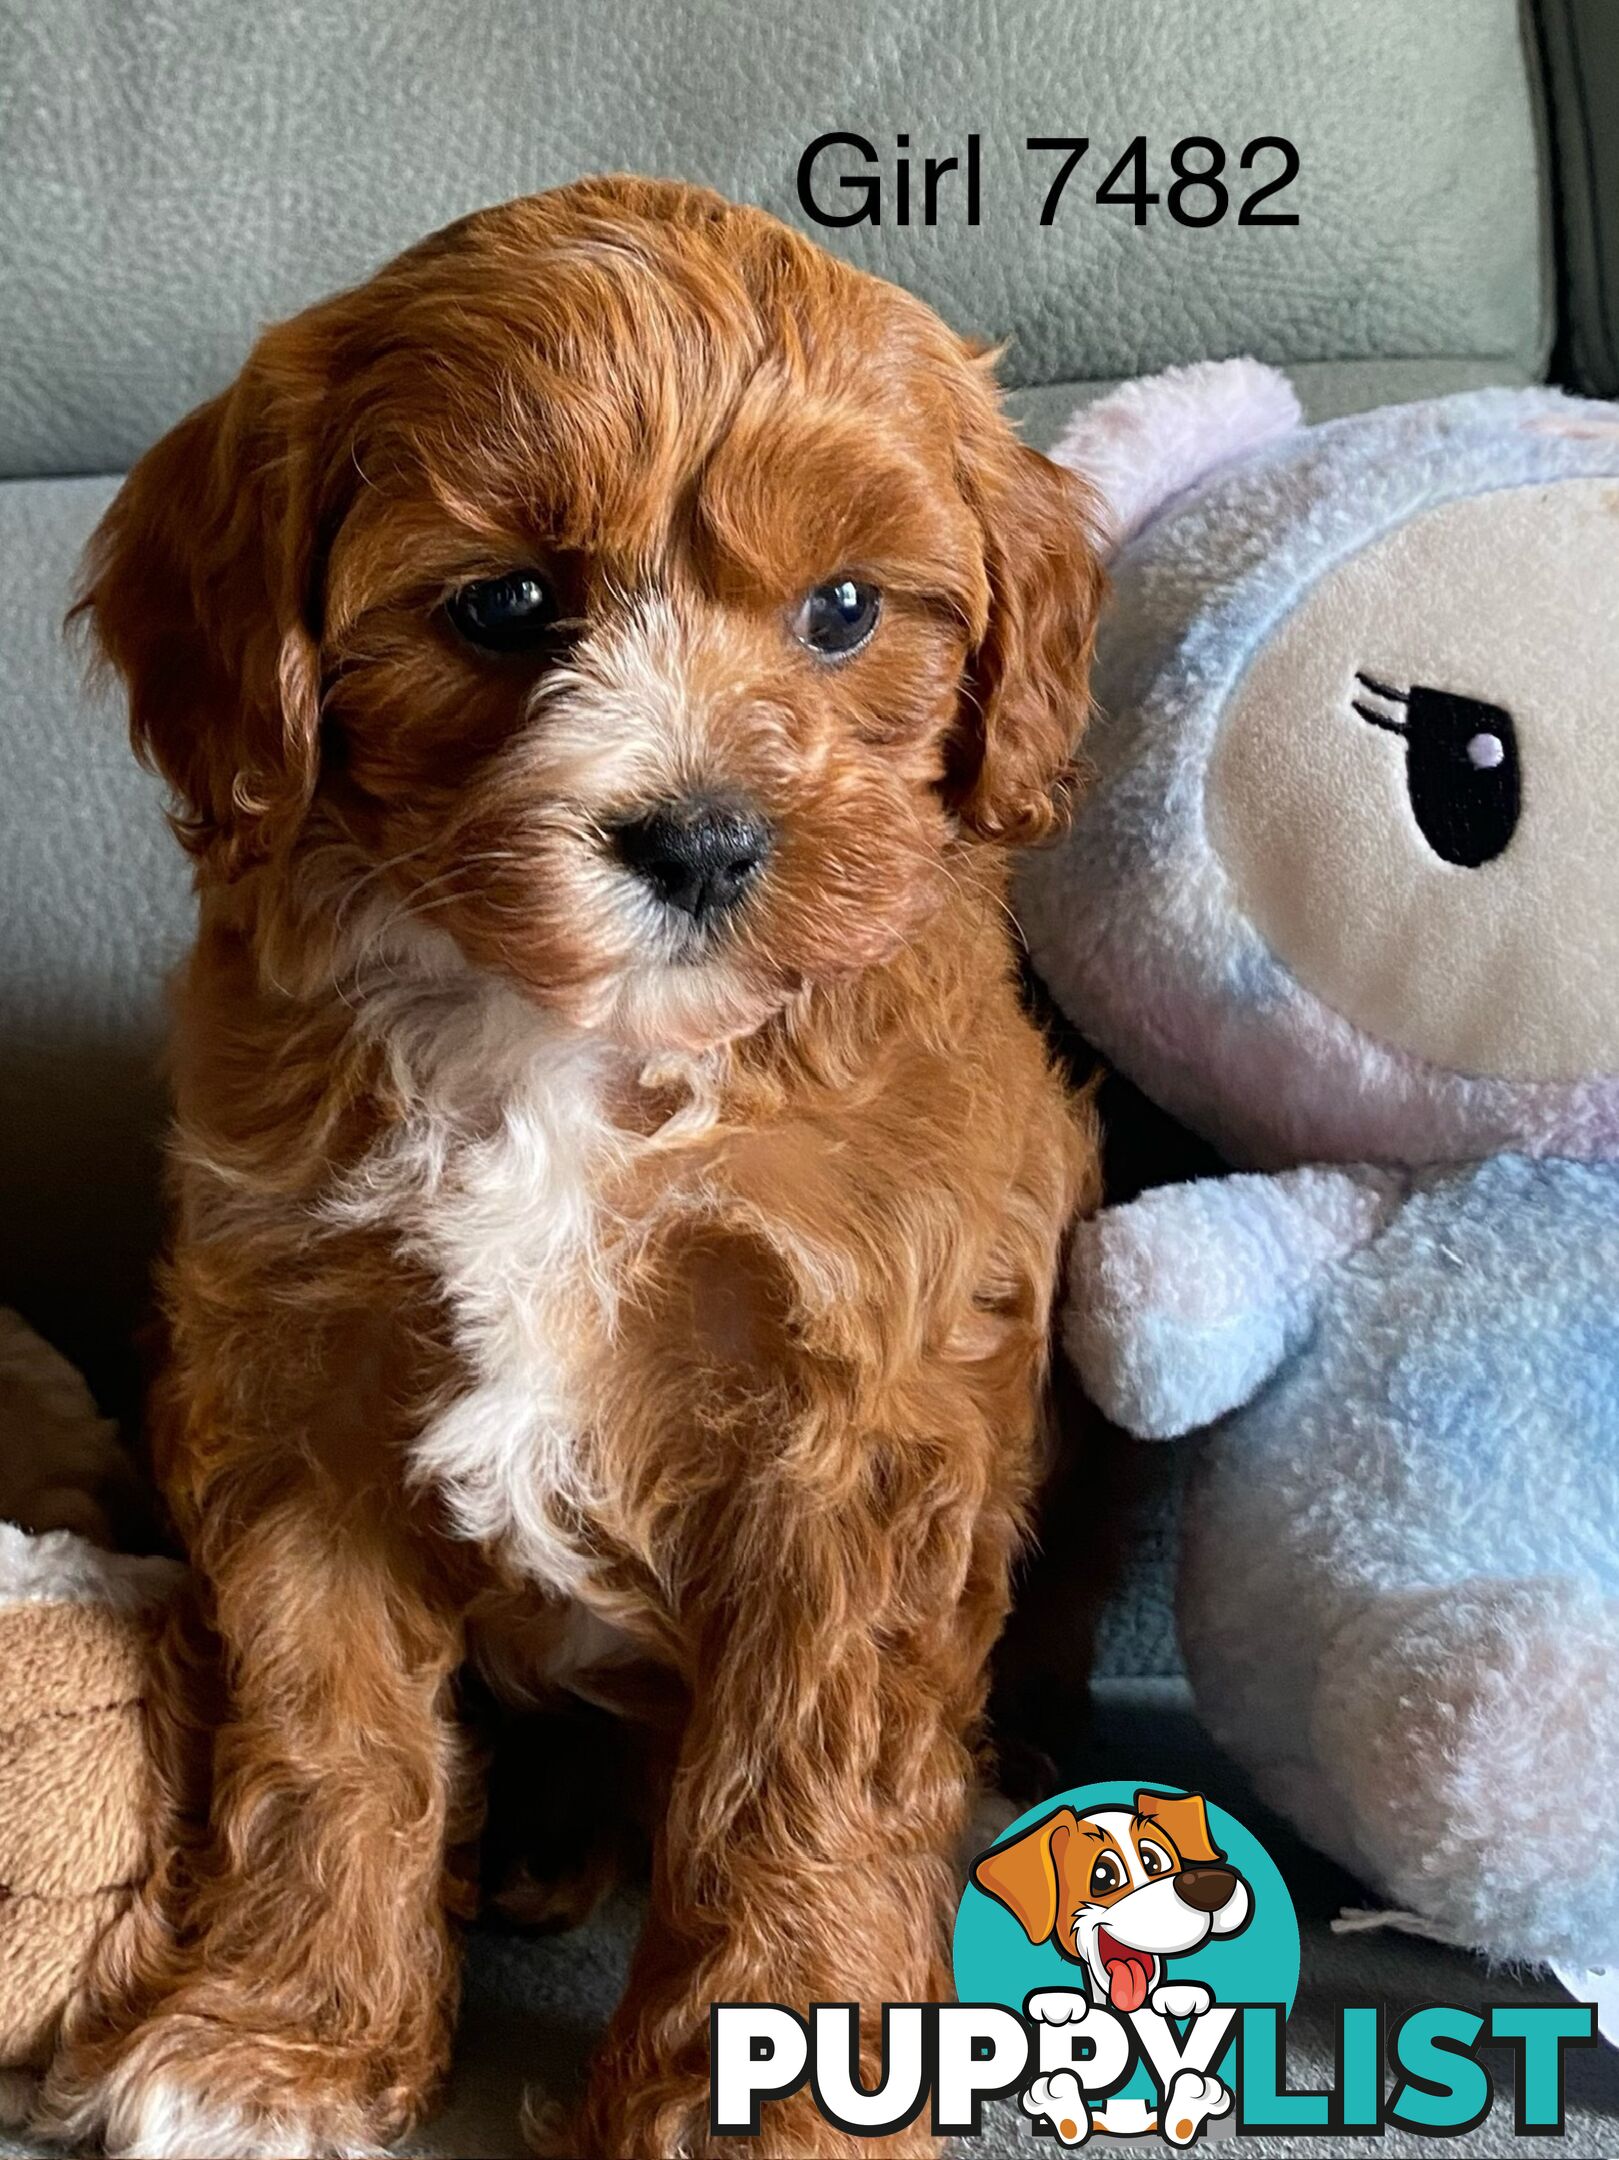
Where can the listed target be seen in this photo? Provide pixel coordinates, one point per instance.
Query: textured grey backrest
(175, 173)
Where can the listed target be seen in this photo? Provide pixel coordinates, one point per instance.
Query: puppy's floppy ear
(196, 583)
(1186, 1819)
(1027, 695)
(1024, 1875)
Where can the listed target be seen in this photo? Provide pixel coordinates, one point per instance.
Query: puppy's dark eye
(1154, 1860)
(514, 613)
(837, 619)
(1106, 1876)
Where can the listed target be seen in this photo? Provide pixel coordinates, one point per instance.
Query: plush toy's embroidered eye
(1154, 1859)
(1461, 767)
(1107, 1875)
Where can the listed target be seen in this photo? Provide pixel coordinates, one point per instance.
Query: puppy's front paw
(1194, 2096)
(172, 2122)
(182, 2088)
(169, 2119)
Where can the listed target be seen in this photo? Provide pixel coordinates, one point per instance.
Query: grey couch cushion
(93, 911)
(1580, 39)
(179, 172)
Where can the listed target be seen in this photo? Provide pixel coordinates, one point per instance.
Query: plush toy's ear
(1186, 1819)
(1023, 1876)
(1154, 438)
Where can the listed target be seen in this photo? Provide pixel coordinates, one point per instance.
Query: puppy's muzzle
(1205, 1889)
(698, 856)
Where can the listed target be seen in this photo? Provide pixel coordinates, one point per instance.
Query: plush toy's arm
(1182, 1304)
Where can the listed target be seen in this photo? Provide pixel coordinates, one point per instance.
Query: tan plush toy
(77, 1797)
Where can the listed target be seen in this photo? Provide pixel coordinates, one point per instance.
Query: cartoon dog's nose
(699, 856)
(1205, 1889)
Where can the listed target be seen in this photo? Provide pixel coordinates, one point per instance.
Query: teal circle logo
(1152, 1904)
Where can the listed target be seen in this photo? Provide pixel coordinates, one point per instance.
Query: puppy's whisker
(377, 870)
(487, 859)
(418, 909)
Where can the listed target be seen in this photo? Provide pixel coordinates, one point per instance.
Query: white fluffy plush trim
(1150, 440)
(62, 1569)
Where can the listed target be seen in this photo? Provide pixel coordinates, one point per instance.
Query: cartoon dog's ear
(1186, 1819)
(1023, 1876)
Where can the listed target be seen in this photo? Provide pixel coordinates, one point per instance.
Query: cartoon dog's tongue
(1129, 1972)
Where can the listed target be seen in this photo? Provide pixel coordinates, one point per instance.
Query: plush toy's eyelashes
(1461, 767)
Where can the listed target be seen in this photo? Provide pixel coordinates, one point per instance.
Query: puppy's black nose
(699, 856)
(1205, 1889)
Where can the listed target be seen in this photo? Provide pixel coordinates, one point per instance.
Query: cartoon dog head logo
(1119, 1890)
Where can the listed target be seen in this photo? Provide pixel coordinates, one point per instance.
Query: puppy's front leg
(293, 1995)
(809, 1849)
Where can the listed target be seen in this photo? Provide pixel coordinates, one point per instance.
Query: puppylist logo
(1127, 1915)
(1126, 1959)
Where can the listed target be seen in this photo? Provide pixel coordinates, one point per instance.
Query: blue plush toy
(1345, 898)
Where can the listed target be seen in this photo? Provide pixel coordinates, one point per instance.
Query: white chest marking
(513, 1237)
(494, 1182)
